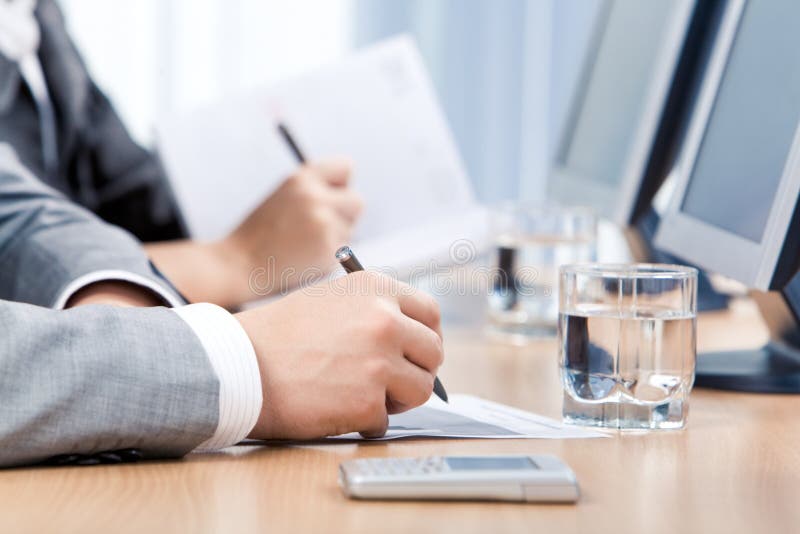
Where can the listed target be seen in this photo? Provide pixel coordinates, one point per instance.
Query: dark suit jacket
(100, 166)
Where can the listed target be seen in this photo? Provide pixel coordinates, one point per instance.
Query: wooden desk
(736, 468)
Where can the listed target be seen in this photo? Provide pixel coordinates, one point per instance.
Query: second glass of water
(530, 243)
(627, 338)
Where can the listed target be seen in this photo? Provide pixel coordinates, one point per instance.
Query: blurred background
(504, 69)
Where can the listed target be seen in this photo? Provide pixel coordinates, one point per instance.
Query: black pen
(298, 154)
(350, 263)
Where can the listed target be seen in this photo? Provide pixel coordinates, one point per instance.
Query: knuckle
(378, 370)
(425, 390)
(438, 345)
(385, 327)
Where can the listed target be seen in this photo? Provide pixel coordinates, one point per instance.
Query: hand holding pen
(349, 262)
(343, 357)
(345, 255)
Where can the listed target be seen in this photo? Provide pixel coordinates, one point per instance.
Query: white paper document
(466, 416)
(376, 107)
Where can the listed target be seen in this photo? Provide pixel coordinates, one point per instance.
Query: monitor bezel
(700, 242)
(618, 202)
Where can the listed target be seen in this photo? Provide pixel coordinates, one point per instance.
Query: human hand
(298, 227)
(340, 356)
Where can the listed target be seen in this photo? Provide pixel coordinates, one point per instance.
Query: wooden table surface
(735, 468)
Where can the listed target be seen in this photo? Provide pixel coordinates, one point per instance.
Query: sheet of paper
(377, 107)
(466, 416)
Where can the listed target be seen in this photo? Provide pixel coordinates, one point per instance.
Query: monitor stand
(708, 299)
(775, 367)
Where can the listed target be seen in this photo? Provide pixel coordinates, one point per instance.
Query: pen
(345, 255)
(350, 264)
(298, 154)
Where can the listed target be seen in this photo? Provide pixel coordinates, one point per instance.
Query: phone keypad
(402, 466)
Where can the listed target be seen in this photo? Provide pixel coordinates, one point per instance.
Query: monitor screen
(752, 124)
(615, 90)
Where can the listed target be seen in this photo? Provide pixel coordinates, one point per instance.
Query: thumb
(377, 429)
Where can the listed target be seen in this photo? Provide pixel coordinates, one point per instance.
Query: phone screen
(477, 463)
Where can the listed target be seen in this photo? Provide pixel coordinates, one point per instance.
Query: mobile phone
(539, 478)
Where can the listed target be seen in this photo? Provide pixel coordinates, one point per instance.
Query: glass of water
(529, 245)
(627, 338)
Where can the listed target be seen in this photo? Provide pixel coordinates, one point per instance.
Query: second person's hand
(288, 238)
(299, 226)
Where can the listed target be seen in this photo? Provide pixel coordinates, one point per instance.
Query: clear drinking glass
(627, 338)
(529, 245)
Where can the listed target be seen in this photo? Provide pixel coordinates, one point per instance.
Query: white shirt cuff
(111, 274)
(234, 361)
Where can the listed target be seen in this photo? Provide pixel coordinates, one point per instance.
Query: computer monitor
(628, 114)
(735, 209)
(623, 113)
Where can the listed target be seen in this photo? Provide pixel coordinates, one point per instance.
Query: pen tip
(439, 390)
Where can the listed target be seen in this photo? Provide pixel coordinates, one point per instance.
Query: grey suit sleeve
(99, 378)
(46, 241)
